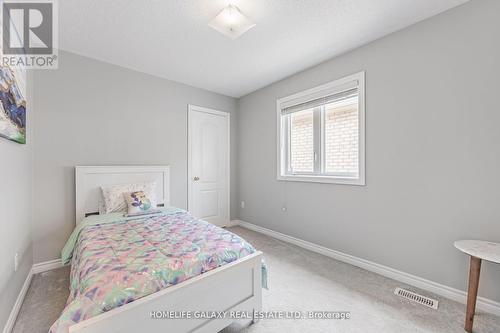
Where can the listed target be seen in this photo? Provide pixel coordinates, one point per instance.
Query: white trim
(47, 266)
(9, 325)
(483, 304)
(324, 179)
(227, 115)
(313, 93)
(35, 269)
(207, 110)
(233, 223)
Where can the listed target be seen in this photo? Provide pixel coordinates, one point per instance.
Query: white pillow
(139, 203)
(114, 200)
(102, 207)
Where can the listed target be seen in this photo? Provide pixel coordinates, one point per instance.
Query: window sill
(323, 179)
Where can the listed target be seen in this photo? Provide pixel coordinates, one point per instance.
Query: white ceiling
(171, 38)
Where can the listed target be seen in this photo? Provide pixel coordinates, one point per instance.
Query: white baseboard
(9, 325)
(483, 304)
(47, 266)
(37, 268)
(233, 223)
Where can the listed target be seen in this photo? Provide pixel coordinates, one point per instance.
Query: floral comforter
(115, 260)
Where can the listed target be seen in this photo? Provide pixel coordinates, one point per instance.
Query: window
(321, 133)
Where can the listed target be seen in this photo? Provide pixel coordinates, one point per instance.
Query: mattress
(116, 260)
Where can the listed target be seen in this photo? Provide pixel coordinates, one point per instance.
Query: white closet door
(208, 165)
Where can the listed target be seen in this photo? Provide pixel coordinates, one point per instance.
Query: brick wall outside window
(302, 141)
(341, 139)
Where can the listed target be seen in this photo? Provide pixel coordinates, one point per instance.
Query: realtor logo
(29, 34)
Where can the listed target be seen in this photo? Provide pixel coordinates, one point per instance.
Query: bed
(163, 272)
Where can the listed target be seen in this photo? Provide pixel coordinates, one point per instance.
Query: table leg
(475, 269)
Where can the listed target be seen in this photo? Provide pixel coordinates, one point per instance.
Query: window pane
(302, 141)
(341, 137)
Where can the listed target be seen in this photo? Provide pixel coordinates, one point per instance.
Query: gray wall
(94, 113)
(432, 149)
(16, 202)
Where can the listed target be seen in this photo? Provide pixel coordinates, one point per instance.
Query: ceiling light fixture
(231, 22)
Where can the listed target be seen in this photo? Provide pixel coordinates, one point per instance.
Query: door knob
(196, 178)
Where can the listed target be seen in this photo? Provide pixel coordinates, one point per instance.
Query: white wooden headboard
(89, 180)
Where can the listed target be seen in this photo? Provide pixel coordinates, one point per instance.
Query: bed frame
(235, 287)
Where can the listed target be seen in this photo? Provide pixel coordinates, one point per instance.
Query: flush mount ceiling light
(231, 22)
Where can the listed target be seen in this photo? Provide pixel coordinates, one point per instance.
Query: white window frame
(315, 93)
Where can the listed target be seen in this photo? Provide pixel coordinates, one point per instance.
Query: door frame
(227, 115)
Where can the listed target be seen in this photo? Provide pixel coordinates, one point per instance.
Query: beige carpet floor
(299, 280)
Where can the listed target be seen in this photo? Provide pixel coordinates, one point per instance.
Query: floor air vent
(432, 303)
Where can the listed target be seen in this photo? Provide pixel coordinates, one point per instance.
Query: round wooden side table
(477, 250)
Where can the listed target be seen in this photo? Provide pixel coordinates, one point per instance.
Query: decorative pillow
(114, 201)
(138, 202)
